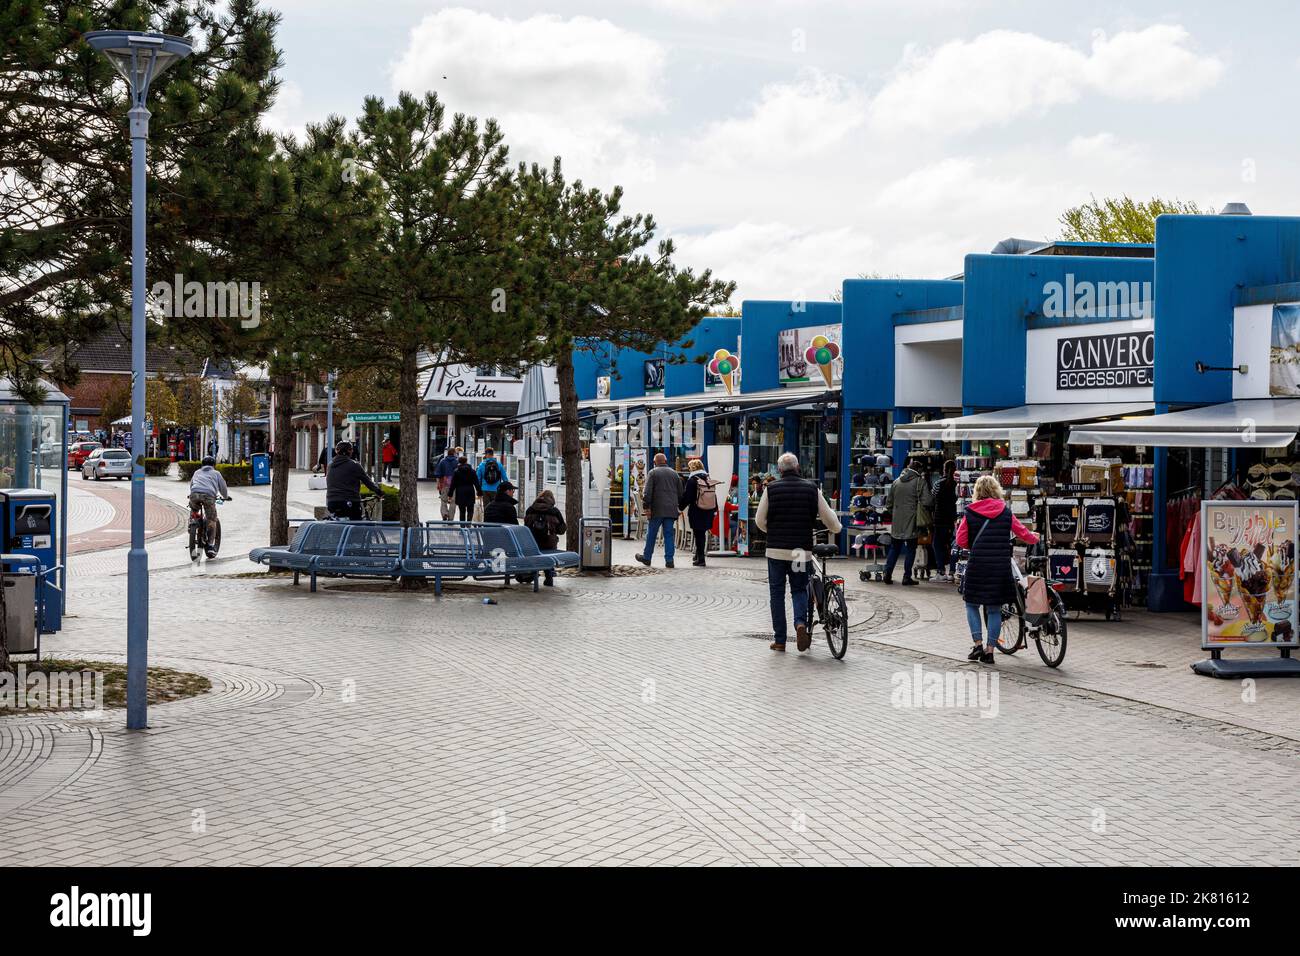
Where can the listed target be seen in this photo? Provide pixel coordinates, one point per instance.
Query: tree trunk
(570, 449)
(408, 464)
(283, 385)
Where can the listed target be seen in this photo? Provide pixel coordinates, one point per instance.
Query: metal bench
(438, 549)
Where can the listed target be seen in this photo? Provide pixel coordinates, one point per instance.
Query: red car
(80, 451)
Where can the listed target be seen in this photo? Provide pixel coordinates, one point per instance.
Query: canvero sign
(1122, 360)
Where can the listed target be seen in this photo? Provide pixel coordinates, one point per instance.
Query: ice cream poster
(1249, 588)
(811, 356)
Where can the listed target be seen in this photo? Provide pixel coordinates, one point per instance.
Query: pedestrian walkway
(632, 719)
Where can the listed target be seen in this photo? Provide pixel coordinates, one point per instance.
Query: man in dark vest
(790, 507)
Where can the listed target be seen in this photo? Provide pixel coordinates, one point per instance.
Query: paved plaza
(637, 719)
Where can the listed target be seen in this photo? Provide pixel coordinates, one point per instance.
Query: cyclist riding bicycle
(206, 486)
(343, 481)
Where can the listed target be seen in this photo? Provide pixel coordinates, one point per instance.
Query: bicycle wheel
(1050, 638)
(836, 621)
(1012, 636)
(194, 542)
(216, 540)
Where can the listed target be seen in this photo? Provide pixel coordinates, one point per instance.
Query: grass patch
(163, 683)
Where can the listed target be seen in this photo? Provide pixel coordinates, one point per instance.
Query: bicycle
(1049, 634)
(371, 510)
(198, 531)
(826, 604)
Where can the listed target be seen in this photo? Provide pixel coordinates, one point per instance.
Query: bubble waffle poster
(1249, 593)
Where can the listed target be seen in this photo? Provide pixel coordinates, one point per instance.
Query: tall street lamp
(139, 57)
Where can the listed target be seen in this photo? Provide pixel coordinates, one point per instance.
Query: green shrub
(156, 467)
(236, 475)
(185, 469)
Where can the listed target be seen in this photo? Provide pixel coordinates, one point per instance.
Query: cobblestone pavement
(637, 719)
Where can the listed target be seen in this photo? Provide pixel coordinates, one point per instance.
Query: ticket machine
(28, 525)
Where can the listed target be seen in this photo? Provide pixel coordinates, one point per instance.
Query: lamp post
(139, 57)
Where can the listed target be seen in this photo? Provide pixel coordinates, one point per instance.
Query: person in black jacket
(945, 521)
(699, 517)
(986, 530)
(464, 489)
(343, 481)
(546, 523)
(503, 508)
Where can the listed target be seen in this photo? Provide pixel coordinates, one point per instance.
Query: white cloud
(285, 116)
(558, 86)
(964, 85)
(789, 121)
(774, 260)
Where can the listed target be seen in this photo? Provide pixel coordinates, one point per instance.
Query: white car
(107, 463)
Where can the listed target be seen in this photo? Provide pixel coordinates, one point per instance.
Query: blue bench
(442, 550)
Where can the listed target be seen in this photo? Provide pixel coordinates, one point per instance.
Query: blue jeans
(973, 618)
(777, 573)
(670, 538)
(896, 548)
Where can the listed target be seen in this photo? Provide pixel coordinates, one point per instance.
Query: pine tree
(593, 281)
(65, 212)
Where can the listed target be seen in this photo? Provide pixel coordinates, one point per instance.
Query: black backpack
(491, 472)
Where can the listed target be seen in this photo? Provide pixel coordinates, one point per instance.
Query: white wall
(927, 365)
(1252, 337)
(1040, 365)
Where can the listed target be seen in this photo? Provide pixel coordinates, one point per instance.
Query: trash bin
(597, 538)
(20, 612)
(261, 463)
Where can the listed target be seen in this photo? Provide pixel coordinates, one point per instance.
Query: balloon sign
(725, 365)
(823, 353)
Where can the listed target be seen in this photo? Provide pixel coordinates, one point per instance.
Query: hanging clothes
(1191, 562)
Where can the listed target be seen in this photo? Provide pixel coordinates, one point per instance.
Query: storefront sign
(1123, 360)
(795, 366)
(602, 387)
(1248, 580)
(653, 376)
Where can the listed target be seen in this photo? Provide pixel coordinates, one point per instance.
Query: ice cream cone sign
(724, 365)
(823, 353)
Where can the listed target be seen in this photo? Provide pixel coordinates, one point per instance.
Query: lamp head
(139, 57)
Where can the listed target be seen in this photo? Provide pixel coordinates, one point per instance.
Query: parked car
(80, 451)
(107, 463)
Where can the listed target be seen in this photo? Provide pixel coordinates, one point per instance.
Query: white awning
(1247, 423)
(1021, 422)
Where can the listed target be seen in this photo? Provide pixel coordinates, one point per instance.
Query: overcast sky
(788, 145)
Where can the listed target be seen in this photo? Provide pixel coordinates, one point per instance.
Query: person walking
(662, 500)
(464, 489)
(945, 521)
(546, 523)
(388, 453)
(443, 471)
(791, 505)
(986, 531)
(907, 498)
(700, 502)
(322, 461)
(490, 476)
(503, 508)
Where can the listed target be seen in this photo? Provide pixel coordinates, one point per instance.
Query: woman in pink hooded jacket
(986, 531)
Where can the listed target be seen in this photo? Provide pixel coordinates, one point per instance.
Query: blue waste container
(261, 468)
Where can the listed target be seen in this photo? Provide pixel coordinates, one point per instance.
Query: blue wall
(1202, 263)
(869, 309)
(587, 367)
(761, 320)
(1004, 295)
(711, 334)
